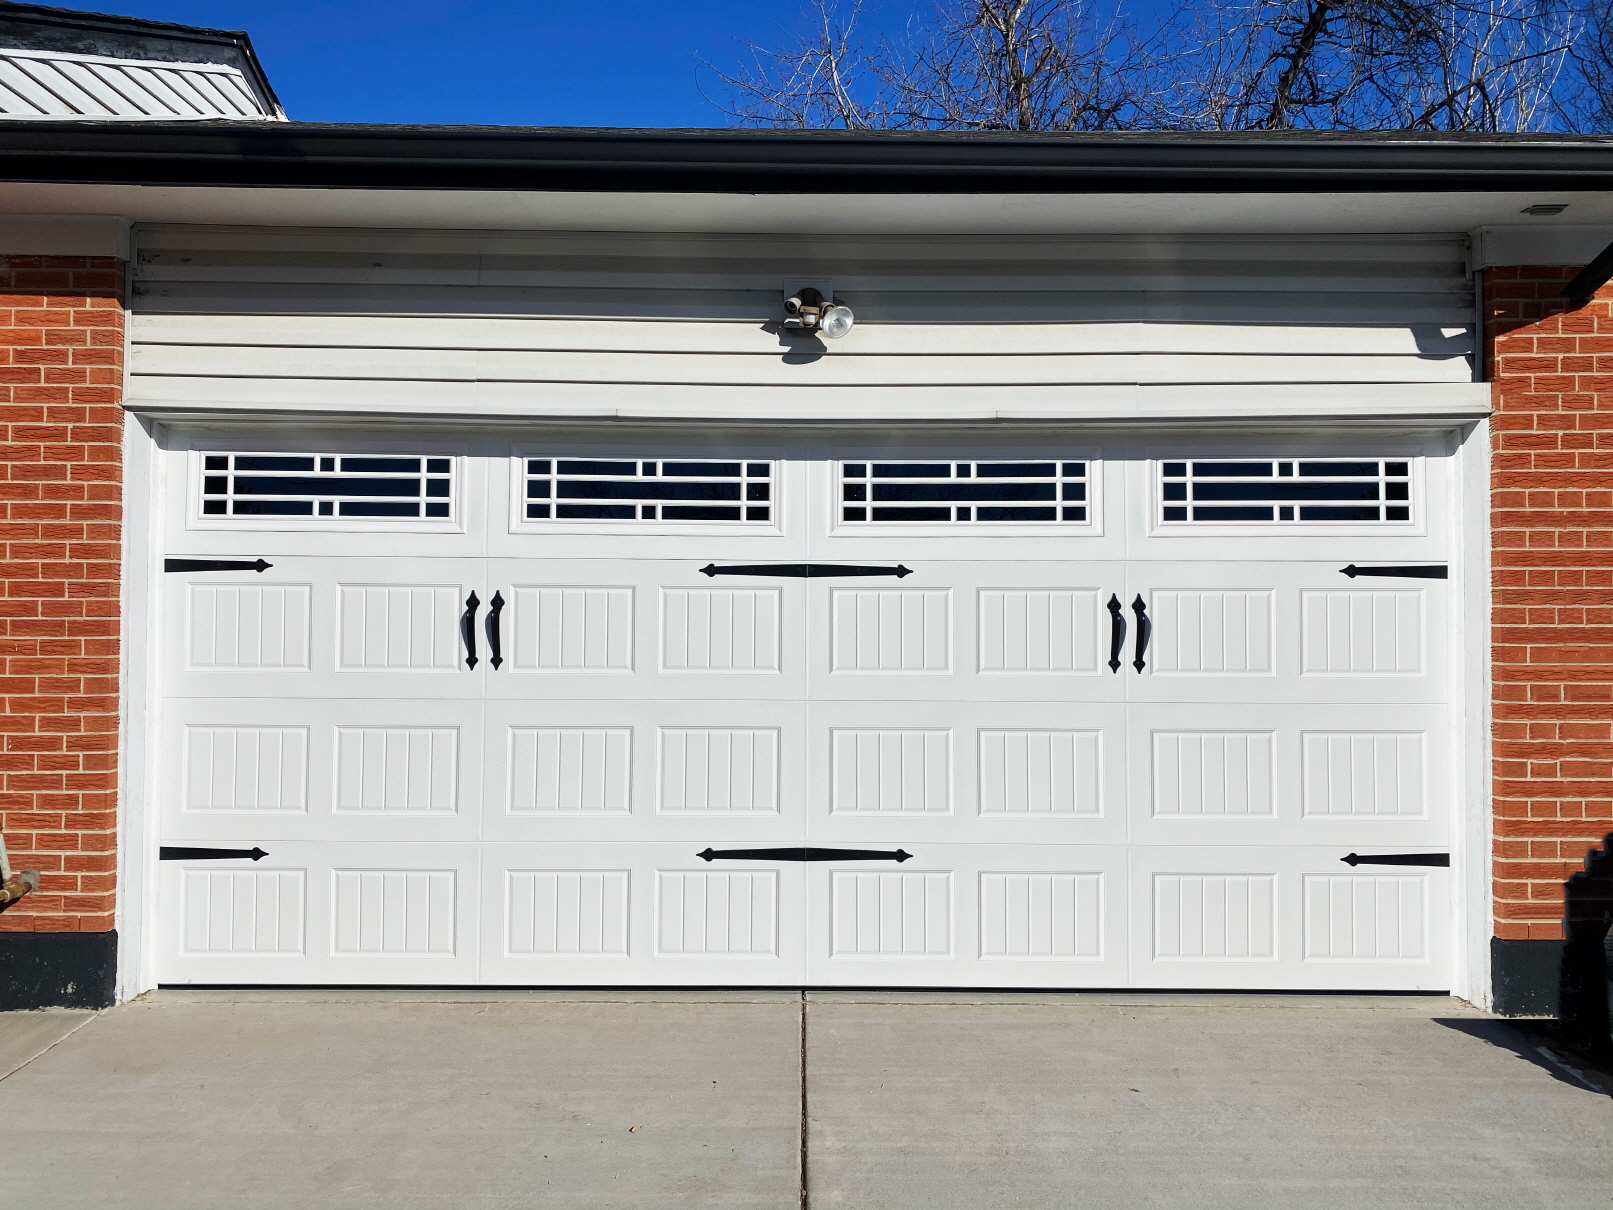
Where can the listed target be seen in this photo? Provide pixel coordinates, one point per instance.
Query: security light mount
(808, 312)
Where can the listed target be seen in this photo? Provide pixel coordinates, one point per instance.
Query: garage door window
(1286, 491)
(648, 489)
(963, 493)
(327, 487)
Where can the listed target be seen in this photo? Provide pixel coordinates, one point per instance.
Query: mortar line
(805, 1202)
(51, 1047)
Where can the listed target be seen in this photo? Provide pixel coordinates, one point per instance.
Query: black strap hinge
(257, 565)
(1428, 571)
(803, 854)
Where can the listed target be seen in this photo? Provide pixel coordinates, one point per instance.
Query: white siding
(601, 322)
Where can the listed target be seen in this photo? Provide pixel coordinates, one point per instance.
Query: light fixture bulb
(836, 321)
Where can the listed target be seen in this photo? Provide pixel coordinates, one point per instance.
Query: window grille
(963, 493)
(660, 490)
(1286, 491)
(372, 487)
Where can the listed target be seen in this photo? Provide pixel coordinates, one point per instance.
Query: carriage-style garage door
(1094, 715)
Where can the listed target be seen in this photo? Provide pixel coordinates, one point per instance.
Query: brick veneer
(61, 358)
(1552, 514)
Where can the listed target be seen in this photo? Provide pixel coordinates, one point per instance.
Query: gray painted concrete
(480, 1100)
(25, 1036)
(1121, 1102)
(186, 1102)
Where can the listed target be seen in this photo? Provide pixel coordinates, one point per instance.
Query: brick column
(61, 375)
(1552, 519)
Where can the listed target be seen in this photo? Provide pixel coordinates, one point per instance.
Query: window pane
(649, 489)
(1323, 490)
(974, 493)
(378, 486)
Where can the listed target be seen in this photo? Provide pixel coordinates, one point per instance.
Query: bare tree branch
(1210, 65)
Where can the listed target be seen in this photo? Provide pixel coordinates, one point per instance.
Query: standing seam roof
(53, 84)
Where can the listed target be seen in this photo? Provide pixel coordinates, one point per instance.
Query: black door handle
(1117, 631)
(802, 854)
(468, 626)
(494, 608)
(1145, 628)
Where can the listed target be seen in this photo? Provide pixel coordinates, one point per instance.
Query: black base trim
(1527, 976)
(58, 970)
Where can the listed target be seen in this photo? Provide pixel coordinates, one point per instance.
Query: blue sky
(505, 62)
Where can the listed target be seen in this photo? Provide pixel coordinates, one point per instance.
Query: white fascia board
(65, 235)
(1539, 244)
(166, 398)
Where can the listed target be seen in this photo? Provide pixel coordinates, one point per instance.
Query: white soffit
(841, 214)
(37, 84)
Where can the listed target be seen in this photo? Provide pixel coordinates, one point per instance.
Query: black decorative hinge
(214, 565)
(802, 854)
(1432, 571)
(805, 571)
(1436, 859)
(167, 853)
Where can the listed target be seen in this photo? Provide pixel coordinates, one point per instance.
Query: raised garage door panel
(321, 627)
(1297, 632)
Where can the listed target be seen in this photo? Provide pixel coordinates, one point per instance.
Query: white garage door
(929, 712)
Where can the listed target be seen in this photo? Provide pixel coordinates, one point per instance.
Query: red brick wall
(1552, 513)
(61, 375)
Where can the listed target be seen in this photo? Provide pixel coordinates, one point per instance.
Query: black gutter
(310, 155)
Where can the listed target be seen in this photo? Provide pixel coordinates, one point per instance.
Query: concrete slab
(24, 1036)
(1229, 1103)
(475, 995)
(179, 1102)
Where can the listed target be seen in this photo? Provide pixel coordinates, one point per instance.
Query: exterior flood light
(807, 311)
(835, 321)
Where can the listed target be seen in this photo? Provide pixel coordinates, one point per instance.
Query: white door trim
(1470, 618)
(138, 799)
(138, 803)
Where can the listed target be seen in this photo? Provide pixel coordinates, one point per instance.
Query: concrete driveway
(208, 1100)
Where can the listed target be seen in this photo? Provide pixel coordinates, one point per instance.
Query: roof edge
(316, 155)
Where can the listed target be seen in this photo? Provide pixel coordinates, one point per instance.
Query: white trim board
(1118, 402)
